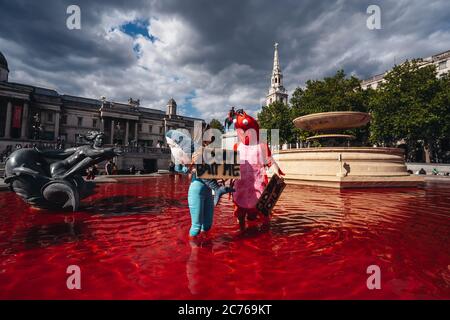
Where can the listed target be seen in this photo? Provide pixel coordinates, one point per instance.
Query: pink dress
(253, 175)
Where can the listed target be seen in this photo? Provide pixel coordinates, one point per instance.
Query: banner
(219, 163)
(17, 117)
(218, 171)
(270, 195)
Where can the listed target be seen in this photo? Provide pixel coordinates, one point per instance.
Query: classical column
(112, 132)
(102, 125)
(8, 120)
(127, 128)
(136, 125)
(24, 128)
(57, 116)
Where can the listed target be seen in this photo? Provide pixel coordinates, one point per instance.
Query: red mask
(246, 122)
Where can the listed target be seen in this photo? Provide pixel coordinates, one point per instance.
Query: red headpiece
(245, 122)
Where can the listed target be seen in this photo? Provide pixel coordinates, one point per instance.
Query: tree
(277, 115)
(216, 124)
(411, 106)
(442, 106)
(336, 93)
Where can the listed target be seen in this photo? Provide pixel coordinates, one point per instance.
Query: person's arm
(101, 154)
(57, 154)
(271, 161)
(80, 166)
(95, 153)
(70, 150)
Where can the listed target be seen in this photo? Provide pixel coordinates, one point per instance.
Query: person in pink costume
(254, 158)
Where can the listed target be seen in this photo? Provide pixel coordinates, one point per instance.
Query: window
(150, 128)
(80, 121)
(276, 80)
(161, 130)
(64, 119)
(49, 116)
(94, 123)
(443, 65)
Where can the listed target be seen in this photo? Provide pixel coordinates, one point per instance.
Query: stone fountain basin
(346, 167)
(332, 120)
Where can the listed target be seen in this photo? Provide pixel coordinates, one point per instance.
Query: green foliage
(337, 93)
(278, 116)
(216, 124)
(412, 106)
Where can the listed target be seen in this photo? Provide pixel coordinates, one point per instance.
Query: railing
(288, 146)
(132, 149)
(138, 149)
(41, 144)
(45, 145)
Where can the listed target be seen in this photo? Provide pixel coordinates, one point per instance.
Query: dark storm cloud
(242, 31)
(39, 27)
(230, 43)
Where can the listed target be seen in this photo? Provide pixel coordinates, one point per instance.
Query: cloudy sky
(209, 54)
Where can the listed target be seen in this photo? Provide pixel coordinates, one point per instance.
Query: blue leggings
(201, 207)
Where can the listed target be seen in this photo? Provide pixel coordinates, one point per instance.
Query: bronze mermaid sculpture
(52, 179)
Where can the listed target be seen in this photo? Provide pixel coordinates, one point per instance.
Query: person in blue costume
(200, 195)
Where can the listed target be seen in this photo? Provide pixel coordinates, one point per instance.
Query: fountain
(343, 166)
(52, 179)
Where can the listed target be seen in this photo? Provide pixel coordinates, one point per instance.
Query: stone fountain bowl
(332, 120)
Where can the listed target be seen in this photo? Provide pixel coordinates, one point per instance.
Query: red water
(130, 241)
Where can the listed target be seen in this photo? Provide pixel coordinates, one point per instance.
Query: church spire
(276, 91)
(276, 61)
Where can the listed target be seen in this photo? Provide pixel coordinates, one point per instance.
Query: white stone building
(64, 118)
(440, 60)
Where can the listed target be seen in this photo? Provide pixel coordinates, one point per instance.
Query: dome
(3, 62)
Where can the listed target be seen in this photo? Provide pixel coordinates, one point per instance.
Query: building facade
(33, 115)
(277, 92)
(440, 60)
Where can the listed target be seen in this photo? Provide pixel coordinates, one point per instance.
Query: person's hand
(277, 169)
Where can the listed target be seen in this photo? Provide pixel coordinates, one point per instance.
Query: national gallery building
(32, 115)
